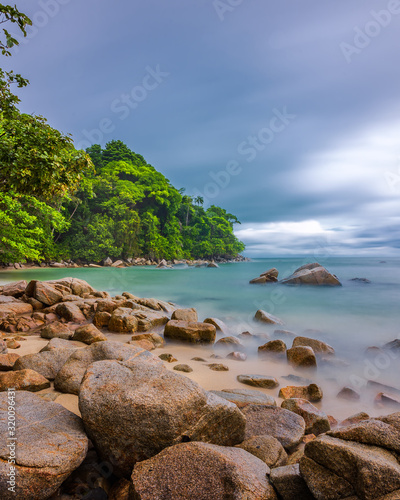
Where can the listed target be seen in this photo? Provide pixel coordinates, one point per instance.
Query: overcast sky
(285, 113)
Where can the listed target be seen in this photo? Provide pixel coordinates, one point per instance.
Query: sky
(285, 113)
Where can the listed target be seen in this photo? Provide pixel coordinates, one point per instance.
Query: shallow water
(350, 318)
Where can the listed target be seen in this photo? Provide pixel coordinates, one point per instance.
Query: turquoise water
(350, 317)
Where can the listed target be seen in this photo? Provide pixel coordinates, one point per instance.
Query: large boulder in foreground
(134, 409)
(70, 376)
(202, 471)
(50, 445)
(188, 331)
(332, 465)
(312, 274)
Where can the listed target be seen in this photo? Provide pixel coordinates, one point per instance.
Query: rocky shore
(129, 262)
(109, 403)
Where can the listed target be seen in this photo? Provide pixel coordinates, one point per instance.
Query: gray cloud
(332, 163)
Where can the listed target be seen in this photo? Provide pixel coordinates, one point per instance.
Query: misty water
(350, 318)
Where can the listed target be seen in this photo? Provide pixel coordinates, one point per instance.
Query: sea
(351, 318)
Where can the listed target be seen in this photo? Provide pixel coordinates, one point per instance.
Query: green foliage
(26, 228)
(135, 211)
(37, 160)
(8, 100)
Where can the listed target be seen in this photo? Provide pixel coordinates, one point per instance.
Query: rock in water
(204, 472)
(185, 315)
(51, 444)
(265, 317)
(134, 409)
(312, 274)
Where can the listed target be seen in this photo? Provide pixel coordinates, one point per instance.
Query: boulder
(15, 289)
(202, 471)
(228, 342)
(375, 432)
(143, 344)
(190, 332)
(264, 381)
(312, 274)
(284, 425)
(349, 394)
(301, 357)
(107, 262)
(266, 448)
(7, 361)
(71, 312)
(122, 320)
(219, 325)
(118, 263)
(310, 392)
(289, 484)
(46, 293)
(56, 330)
(88, 334)
(150, 319)
(260, 280)
(23, 380)
(15, 307)
(316, 420)
(185, 315)
(154, 338)
(345, 468)
(106, 305)
(101, 319)
(273, 272)
(276, 348)
(245, 397)
(47, 363)
(157, 408)
(265, 317)
(317, 346)
(51, 444)
(70, 376)
(57, 343)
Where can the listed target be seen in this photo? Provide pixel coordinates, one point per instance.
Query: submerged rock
(265, 317)
(317, 346)
(312, 274)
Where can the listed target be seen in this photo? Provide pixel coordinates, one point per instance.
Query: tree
(8, 100)
(38, 160)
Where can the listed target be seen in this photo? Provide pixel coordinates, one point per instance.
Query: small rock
(301, 357)
(349, 394)
(7, 361)
(183, 368)
(237, 356)
(276, 348)
(122, 320)
(88, 334)
(3, 347)
(12, 344)
(167, 357)
(264, 381)
(218, 367)
(265, 317)
(245, 397)
(101, 319)
(227, 342)
(56, 330)
(57, 343)
(354, 419)
(199, 359)
(154, 338)
(316, 421)
(311, 392)
(23, 380)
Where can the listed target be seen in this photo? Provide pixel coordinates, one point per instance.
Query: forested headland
(58, 203)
